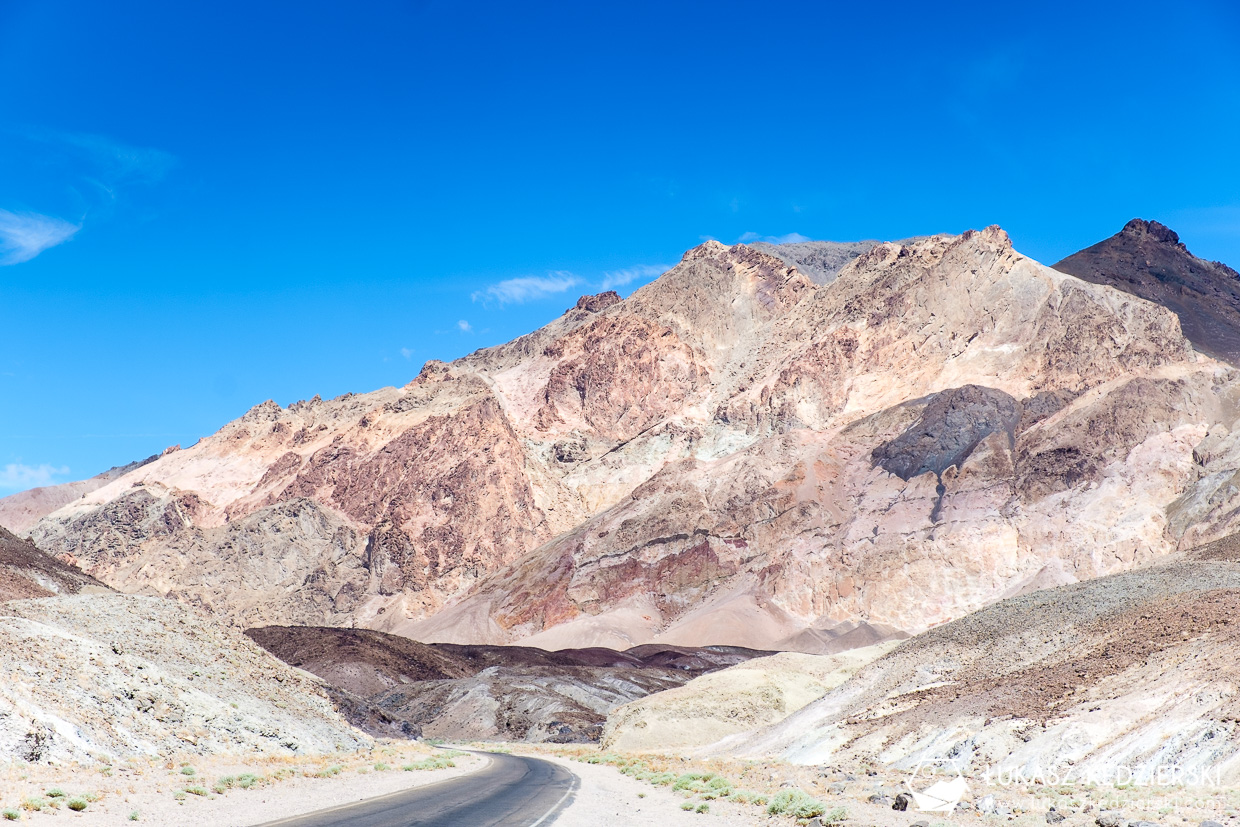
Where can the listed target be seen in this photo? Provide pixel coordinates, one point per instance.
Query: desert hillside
(740, 453)
(390, 685)
(93, 678)
(1113, 680)
(20, 511)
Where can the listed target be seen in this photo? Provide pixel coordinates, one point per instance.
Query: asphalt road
(512, 790)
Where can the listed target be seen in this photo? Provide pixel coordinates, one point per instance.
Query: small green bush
(11, 815)
(187, 770)
(796, 804)
(77, 805)
(134, 816)
(702, 808)
(686, 805)
(381, 767)
(838, 815)
(706, 784)
(435, 762)
(55, 792)
(196, 791)
(247, 780)
(329, 772)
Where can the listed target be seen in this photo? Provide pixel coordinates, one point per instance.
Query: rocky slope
(1106, 680)
(27, 572)
(108, 677)
(391, 685)
(20, 511)
(735, 454)
(1148, 260)
(821, 261)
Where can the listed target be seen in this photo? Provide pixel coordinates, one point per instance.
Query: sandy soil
(159, 793)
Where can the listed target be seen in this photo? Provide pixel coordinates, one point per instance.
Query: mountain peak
(706, 248)
(1159, 232)
(1148, 260)
(597, 302)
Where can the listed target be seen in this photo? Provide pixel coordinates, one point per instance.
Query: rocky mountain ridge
(20, 511)
(734, 454)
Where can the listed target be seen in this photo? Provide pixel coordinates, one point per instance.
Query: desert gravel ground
(158, 793)
(606, 798)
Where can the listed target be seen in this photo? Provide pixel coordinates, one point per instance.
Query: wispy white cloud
(527, 288)
(95, 168)
(464, 326)
(790, 238)
(406, 352)
(619, 278)
(24, 235)
(115, 162)
(18, 477)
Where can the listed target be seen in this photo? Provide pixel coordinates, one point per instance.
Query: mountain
(20, 511)
(391, 685)
(734, 455)
(1118, 679)
(1148, 260)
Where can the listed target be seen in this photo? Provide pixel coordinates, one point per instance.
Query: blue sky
(203, 206)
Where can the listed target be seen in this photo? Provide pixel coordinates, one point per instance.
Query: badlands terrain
(985, 510)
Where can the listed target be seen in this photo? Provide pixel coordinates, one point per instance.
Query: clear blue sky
(206, 205)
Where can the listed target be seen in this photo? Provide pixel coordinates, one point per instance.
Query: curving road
(512, 790)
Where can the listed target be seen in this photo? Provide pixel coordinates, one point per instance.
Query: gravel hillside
(105, 677)
(740, 698)
(1109, 679)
